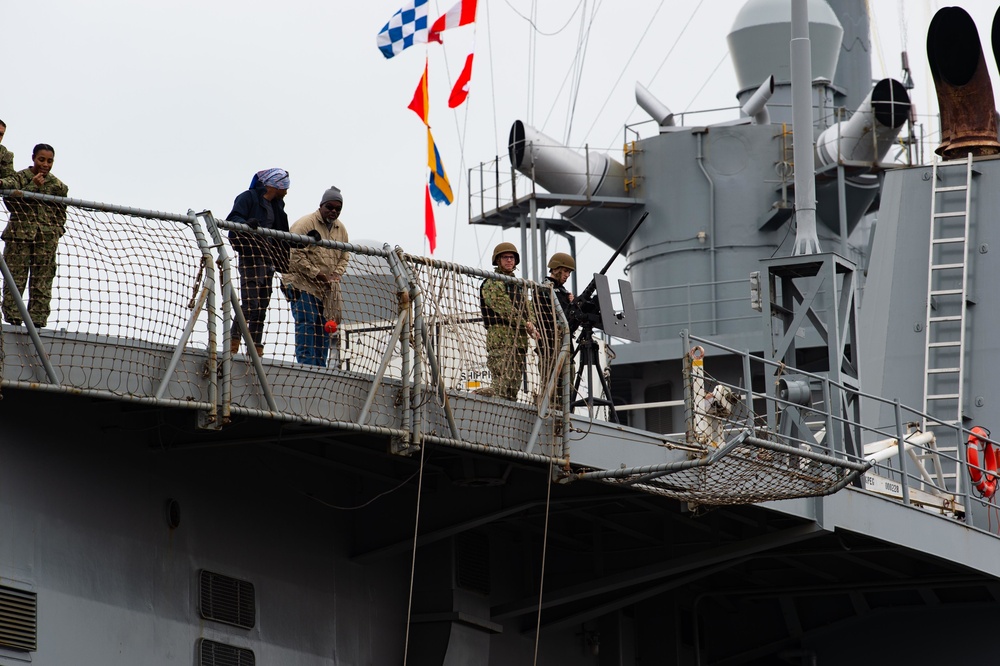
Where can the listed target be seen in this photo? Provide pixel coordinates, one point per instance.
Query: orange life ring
(984, 483)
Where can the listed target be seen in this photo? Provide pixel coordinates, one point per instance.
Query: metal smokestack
(871, 131)
(965, 94)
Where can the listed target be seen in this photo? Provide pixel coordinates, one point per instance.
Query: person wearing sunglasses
(312, 283)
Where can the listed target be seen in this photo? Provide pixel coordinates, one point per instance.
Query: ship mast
(806, 240)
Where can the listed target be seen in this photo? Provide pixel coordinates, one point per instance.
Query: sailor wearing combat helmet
(509, 320)
(561, 266)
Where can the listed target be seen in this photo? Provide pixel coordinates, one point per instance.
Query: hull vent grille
(472, 562)
(211, 653)
(18, 619)
(228, 600)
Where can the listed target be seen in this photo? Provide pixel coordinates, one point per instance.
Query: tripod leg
(588, 363)
(612, 414)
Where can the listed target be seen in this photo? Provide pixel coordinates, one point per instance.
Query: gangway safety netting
(140, 309)
(123, 284)
(498, 339)
(736, 459)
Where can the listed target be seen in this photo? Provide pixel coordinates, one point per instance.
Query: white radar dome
(760, 36)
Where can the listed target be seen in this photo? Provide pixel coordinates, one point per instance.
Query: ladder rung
(951, 343)
(946, 292)
(950, 239)
(957, 213)
(942, 371)
(943, 396)
(942, 267)
(935, 320)
(951, 188)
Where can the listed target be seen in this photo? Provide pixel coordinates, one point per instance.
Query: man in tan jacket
(312, 283)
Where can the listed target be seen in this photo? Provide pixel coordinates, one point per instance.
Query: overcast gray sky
(172, 106)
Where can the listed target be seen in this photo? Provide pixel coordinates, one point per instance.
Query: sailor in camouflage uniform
(508, 317)
(6, 157)
(561, 266)
(32, 235)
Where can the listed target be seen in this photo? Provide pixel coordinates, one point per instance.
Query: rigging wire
(663, 62)
(496, 133)
(876, 41)
(583, 41)
(545, 547)
(676, 42)
(413, 558)
(537, 29)
(708, 80)
(569, 72)
(611, 90)
(359, 506)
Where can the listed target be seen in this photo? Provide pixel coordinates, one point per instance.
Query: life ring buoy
(984, 483)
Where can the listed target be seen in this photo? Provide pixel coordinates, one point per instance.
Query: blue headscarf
(277, 178)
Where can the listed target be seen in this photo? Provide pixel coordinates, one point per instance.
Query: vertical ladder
(630, 178)
(945, 323)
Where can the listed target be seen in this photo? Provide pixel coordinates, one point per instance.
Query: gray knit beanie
(332, 194)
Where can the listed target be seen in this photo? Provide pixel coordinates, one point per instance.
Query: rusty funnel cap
(964, 91)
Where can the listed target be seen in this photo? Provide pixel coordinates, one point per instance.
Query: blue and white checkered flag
(407, 27)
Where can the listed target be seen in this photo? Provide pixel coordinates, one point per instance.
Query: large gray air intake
(562, 170)
(867, 136)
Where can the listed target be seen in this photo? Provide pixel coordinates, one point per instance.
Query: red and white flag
(462, 13)
(461, 88)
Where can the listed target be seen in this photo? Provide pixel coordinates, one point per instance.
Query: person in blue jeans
(312, 283)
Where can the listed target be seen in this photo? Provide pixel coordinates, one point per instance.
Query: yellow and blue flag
(440, 188)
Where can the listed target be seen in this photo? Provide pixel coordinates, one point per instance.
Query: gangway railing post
(748, 383)
(420, 343)
(226, 399)
(403, 291)
(428, 349)
(36, 340)
(232, 300)
(904, 481)
(556, 376)
(206, 298)
(513, 183)
(964, 490)
(211, 309)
